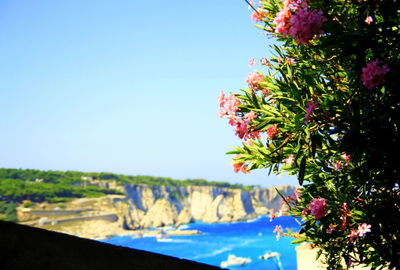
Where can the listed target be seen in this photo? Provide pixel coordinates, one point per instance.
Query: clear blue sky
(124, 86)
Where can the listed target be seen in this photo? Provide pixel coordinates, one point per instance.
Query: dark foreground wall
(23, 247)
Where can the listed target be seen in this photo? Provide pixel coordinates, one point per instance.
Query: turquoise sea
(249, 239)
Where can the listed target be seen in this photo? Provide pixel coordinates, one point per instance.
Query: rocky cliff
(156, 206)
(146, 206)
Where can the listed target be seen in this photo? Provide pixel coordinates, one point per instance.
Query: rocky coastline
(150, 207)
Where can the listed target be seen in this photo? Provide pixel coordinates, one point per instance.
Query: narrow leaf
(302, 170)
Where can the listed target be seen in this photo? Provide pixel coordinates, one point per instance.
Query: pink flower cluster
(290, 160)
(250, 116)
(306, 24)
(289, 61)
(331, 228)
(317, 208)
(368, 20)
(258, 15)
(303, 25)
(340, 164)
(373, 74)
(272, 131)
(361, 230)
(337, 165)
(228, 105)
(242, 129)
(279, 232)
(253, 79)
(282, 21)
(240, 167)
(272, 215)
(252, 62)
(346, 158)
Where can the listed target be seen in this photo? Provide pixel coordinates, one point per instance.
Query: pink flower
(373, 74)
(278, 230)
(306, 25)
(273, 216)
(250, 116)
(290, 160)
(306, 211)
(290, 61)
(280, 213)
(265, 62)
(311, 105)
(296, 195)
(317, 207)
(258, 15)
(245, 169)
(368, 20)
(253, 135)
(251, 62)
(361, 230)
(240, 167)
(265, 91)
(353, 234)
(282, 21)
(296, 4)
(346, 158)
(241, 129)
(221, 99)
(337, 166)
(228, 105)
(237, 167)
(253, 79)
(272, 131)
(331, 228)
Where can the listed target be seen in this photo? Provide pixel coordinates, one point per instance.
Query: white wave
(182, 241)
(254, 219)
(216, 252)
(226, 248)
(183, 227)
(164, 240)
(170, 240)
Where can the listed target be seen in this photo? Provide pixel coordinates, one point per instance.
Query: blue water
(244, 239)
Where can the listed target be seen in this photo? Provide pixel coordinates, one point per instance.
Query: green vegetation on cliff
(79, 178)
(17, 185)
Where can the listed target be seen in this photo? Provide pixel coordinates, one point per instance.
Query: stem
(251, 6)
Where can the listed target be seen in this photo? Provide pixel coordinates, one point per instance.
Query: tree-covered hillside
(17, 185)
(76, 178)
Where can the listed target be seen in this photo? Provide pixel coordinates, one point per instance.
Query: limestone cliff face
(151, 206)
(269, 197)
(161, 213)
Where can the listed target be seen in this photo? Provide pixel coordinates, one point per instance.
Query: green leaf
(233, 152)
(318, 254)
(302, 170)
(299, 240)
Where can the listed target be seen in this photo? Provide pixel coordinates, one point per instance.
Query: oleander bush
(325, 106)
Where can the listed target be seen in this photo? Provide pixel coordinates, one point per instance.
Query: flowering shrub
(326, 107)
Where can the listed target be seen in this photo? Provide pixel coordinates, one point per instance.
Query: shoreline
(102, 229)
(173, 231)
